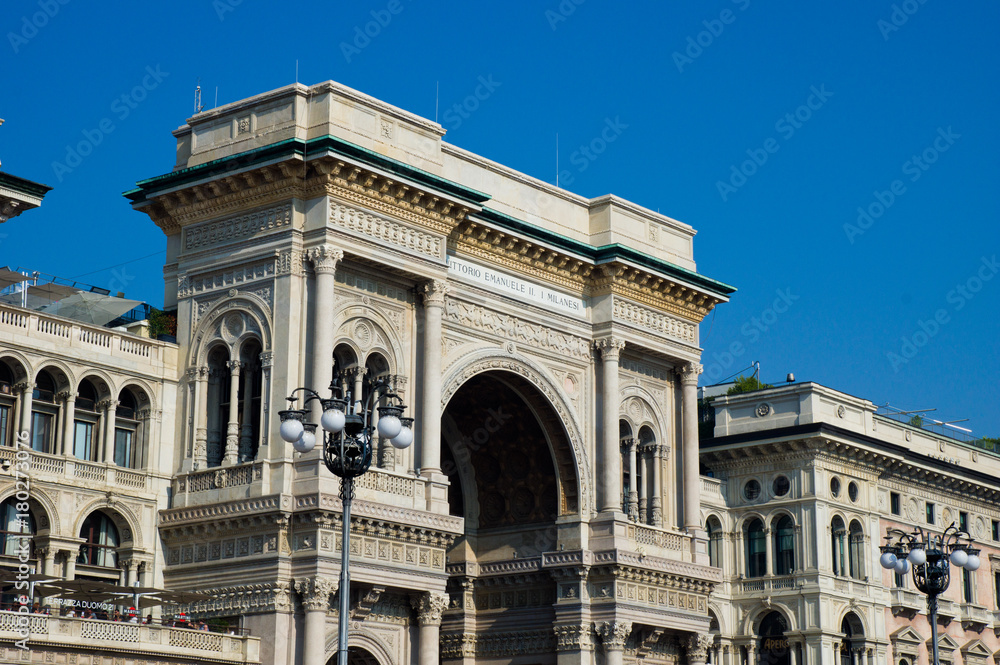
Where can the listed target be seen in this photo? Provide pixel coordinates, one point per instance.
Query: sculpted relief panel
(237, 227)
(386, 230)
(655, 322)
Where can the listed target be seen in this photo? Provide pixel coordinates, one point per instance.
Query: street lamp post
(930, 556)
(348, 429)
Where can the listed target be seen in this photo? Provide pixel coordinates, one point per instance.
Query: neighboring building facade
(86, 428)
(805, 482)
(315, 230)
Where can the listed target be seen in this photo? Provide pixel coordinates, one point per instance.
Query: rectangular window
(900, 580)
(930, 513)
(996, 588)
(123, 447)
(83, 440)
(41, 431)
(967, 586)
(963, 521)
(5, 438)
(996, 529)
(894, 503)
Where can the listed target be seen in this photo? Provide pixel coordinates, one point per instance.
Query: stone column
(657, 502)
(70, 564)
(266, 359)
(231, 455)
(633, 481)
(692, 474)
(613, 636)
(201, 419)
(644, 454)
(768, 551)
(357, 376)
(697, 647)
(26, 388)
(610, 457)
(107, 445)
(430, 418)
(246, 431)
(324, 259)
(69, 411)
(315, 592)
(429, 606)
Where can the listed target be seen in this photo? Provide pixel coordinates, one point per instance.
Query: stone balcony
(94, 641)
(974, 617)
(907, 602)
(713, 492)
(56, 468)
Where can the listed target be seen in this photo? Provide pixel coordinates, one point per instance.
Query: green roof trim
(311, 148)
(24, 186)
(605, 253)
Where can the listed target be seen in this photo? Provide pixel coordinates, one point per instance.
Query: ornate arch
(71, 377)
(489, 360)
(25, 368)
(363, 638)
(720, 616)
(47, 507)
(128, 523)
(638, 406)
(111, 390)
(859, 613)
(776, 515)
(751, 623)
(141, 384)
(378, 323)
(230, 321)
(748, 517)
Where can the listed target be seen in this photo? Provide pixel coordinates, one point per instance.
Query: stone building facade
(804, 483)
(547, 345)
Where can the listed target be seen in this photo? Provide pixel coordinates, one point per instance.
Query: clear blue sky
(832, 100)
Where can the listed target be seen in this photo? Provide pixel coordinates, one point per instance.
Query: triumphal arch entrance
(546, 344)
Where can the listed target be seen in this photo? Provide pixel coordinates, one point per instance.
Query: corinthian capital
(613, 634)
(429, 606)
(610, 347)
(689, 372)
(316, 592)
(325, 258)
(697, 647)
(434, 292)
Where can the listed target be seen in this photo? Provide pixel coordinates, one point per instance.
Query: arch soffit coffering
(120, 514)
(44, 502)
(211, 328)
(488, 360)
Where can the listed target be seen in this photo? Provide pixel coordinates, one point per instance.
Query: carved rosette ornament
(697, 648)
(316, 592)
(429, 607)
(614, 634)
(689, 373)
(610, 348)
(325, 258)
(434, 292)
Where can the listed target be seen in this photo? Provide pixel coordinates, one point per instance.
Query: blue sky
(766, 127)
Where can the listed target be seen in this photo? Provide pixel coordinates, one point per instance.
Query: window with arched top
(100, 546)
(8, 401)
(44, 413)
(854, 639)
(714, 529)
(856, 550)
(129, 434)
(838, 546)
(219, 388)
(756, 548)
(86, 423)
(250, 392)
(17, 530)
(784, 546)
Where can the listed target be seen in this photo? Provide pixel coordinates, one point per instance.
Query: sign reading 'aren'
(516, 287)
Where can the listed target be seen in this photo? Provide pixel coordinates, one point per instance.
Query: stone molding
(574, 638)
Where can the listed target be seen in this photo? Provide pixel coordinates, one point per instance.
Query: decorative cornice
(239, 227)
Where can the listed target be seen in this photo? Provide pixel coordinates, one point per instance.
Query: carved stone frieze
(217, 280)
(387, 231)
(237, 227)
(656, 322)
(505, 326)
(246, 599)
(288, 262)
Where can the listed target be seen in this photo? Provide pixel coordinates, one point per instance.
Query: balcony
(947, 610)
(54, 637)
(57, 468)
(974, 617)
(713, 491)
(767, 584)
(906, 602)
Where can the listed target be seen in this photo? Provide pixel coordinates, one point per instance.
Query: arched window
(18, 530)
(128, 431)
(218, 404)
(856, 550)
(756, 546)
(644, 473)
(625, 442)
(349, 373)
(101, 542)
(773, 647)
(86, 423)
(854, 638)
(7, 401)
(43, 413)
(714, 528)
(784, 546)
(251, 385)
(838, 548)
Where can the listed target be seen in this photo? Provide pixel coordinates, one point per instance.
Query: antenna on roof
(557, 159)
(216, 97)
(437, 98)
(296, 70)
(197, 98)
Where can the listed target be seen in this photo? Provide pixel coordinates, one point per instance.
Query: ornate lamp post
(931, 557)
(348, 430)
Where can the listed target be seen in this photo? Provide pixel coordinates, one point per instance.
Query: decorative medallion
(522, 503)
(763, 409)
(841, 411)
(363, 334)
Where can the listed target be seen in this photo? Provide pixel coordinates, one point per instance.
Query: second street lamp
(347, 452)
(930, 556)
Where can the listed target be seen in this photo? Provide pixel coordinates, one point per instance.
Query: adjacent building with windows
(801, 484)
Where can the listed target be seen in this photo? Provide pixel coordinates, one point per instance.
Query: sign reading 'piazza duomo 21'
(314, 231)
